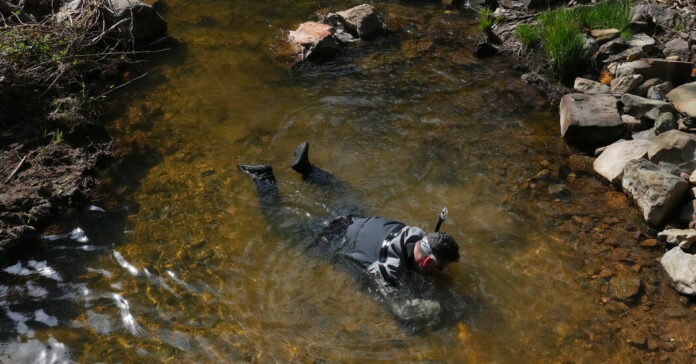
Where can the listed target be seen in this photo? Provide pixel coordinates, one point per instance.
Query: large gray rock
(659, 92)
(315, 41)
(362, 21)
(642, 90)
(643, 42)
(145, 24)
(682, 237)
(656, 192)
(675, 147)
(684, 98)
(610, 164)
(590, 87)
(609, 50)
(677, 47)
(676, 71)
(681, 267)
(641, 107)
(622, 85)
(647, 17)
(590, 119)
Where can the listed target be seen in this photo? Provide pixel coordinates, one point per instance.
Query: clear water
(181, 266)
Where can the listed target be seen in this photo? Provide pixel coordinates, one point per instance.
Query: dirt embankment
(59, 61)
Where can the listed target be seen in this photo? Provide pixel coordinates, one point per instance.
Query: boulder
(603, 35)
(665, 122)
(609, 49)
(315, 41)
(659, 92)
(676, 71)
(624, 286)
(656, 192)
(677, 47)
(682, 237)
(625, 84)
(145, 24)
(610, 164)
(684, 98)
(675, 147)
(590, 119)
(641, 107)
(643, 42)
(681, 268)
(647, 17)
(362, 21)
(590, 87)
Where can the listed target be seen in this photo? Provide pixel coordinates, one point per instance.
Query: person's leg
(345, 199)
(281, 218)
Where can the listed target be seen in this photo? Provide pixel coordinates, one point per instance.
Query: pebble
(545, 163)
(648, 243)
(616, 200)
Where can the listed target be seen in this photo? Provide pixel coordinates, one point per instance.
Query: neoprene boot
(259, 173)
(300, 161)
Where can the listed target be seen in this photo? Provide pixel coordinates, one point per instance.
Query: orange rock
(315, 41)
(648, 243)
(605, 77)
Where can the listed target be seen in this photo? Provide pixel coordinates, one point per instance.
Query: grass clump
(529, 34)
(607, 14)
(564, 43)
(485, 19)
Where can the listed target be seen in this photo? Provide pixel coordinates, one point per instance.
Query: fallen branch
(121, 85)
(16, 169)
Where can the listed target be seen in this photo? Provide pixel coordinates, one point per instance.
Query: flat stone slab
(681, 268)
(656, 192)
(677, 72)
(684, 98)
(603, 35)
(590, 119)
(590, 87)
(622, 85)
(610, 164)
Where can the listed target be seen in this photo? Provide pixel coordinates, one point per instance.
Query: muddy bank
(61, 62)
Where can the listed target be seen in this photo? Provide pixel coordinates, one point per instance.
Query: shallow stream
(175, 262)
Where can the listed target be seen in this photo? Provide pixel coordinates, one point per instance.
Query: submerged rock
(610, 164)
(624, 286)
(684, 98)
(315, 41)
(590, 119)
(681, 268)
(656, 192)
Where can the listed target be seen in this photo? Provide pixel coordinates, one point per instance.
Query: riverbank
(60, 63)
(626, 111)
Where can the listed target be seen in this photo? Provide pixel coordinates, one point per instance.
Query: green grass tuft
(564, 42)
(485, 19)
(529, 34)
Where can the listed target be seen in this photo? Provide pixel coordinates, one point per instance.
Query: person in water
(393, 253)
